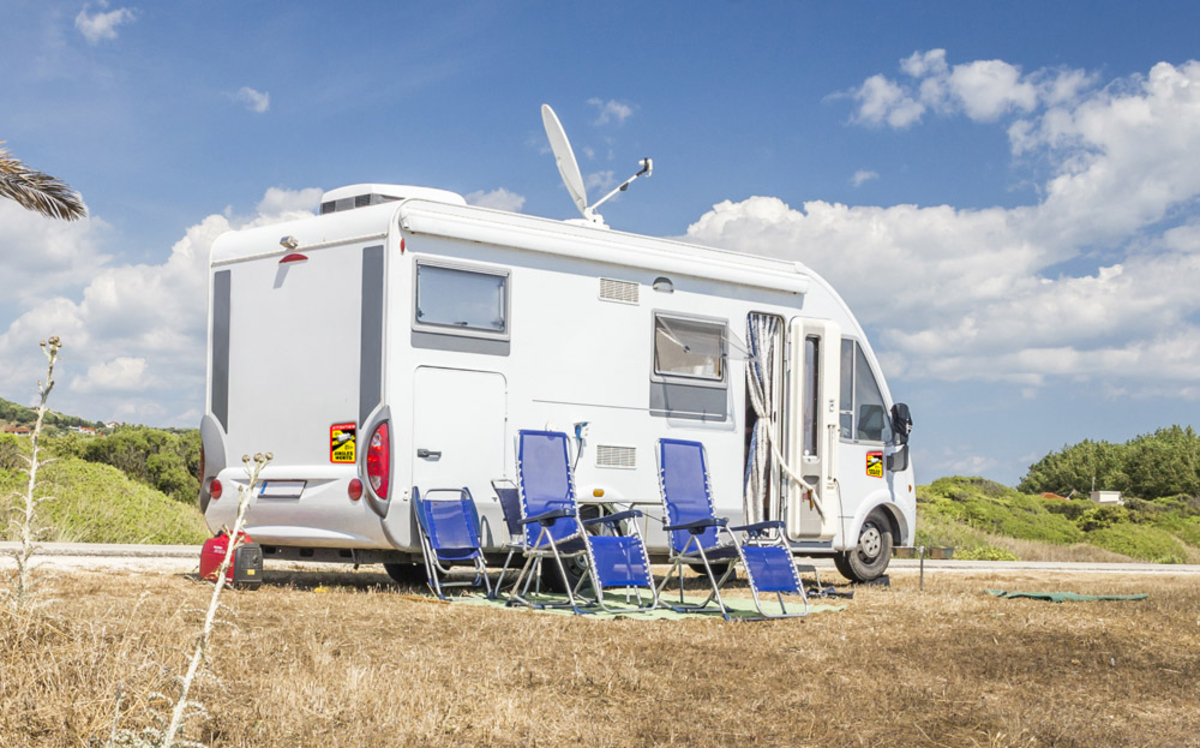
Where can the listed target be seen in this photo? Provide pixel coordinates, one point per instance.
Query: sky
(1006, 194)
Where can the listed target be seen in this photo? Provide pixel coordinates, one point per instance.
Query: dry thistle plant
(20, 597)
(168, 733)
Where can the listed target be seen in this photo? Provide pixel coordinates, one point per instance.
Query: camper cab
(401, 338)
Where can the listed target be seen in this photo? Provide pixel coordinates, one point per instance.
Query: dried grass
(341, 659)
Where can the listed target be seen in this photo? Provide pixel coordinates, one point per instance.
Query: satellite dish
(568, 167)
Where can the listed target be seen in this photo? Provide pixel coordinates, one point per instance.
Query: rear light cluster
(379, 460)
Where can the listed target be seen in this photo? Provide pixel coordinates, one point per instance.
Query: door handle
(435, 454)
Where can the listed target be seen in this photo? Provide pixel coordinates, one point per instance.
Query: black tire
(718, 568)
(552, 580)
(412, 575)
(870, 557)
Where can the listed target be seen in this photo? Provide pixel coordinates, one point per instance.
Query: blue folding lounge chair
(510, 506)
(699, 538)
(554, 530)
(449, 529)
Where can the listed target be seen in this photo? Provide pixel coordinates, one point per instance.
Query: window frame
(859, 352)
(694, 380)
(437, 328)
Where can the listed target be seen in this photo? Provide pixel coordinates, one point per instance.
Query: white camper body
(458, 326)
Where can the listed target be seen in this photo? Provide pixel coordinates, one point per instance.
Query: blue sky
(1005, 193)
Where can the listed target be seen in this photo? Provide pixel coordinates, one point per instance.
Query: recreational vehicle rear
(401, 338)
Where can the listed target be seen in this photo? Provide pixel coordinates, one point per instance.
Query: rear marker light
(293, 258)
(379, 460)
(215, 489)
(354, 490)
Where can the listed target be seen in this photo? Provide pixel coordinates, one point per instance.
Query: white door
(458, 438)
(811, 420)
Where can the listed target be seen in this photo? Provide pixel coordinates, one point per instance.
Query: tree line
(1150, 466)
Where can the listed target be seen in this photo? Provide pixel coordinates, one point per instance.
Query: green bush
(986, 553)
(99, 504)
(1140, 541)
(997, 509)
(166, 460)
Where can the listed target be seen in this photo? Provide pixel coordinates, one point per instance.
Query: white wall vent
(616, 457)
(625, 292)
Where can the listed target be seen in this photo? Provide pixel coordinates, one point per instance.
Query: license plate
(281, 489)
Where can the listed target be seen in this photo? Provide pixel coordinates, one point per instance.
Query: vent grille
(625, 292)
(616, 457)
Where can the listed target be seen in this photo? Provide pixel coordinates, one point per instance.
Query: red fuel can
(213, 553)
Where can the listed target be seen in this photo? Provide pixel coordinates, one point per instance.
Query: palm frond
(36, 190)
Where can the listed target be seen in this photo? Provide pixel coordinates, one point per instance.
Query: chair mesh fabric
(620, 561)
(510, 506)
(450, 527)
(685, 490)
(771, 568)
(545, 474)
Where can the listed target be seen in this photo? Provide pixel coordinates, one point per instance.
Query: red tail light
(354, 490)
(379, 460)
(215, 489)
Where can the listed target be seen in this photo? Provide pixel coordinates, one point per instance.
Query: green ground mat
(1060, 597)
(738, 607)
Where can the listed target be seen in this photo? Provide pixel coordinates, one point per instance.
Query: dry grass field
(346, 659)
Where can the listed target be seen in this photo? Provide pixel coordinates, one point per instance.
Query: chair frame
(693, 550)
(436, 566)
(545, 546)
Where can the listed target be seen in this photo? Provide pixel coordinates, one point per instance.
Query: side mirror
(902, 422)
(898, 461)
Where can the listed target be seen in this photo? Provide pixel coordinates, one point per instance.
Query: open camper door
(811, 422)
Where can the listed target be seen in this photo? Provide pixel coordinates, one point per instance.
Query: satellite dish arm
(646, 171)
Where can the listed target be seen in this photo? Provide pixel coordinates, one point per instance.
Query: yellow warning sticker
(875, 464)
(341, 442)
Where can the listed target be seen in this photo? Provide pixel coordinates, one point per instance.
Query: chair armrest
(612, 519)
(548, 517)
(758, 528)
(699, 525)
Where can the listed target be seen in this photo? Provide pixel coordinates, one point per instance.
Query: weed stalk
(22, 594)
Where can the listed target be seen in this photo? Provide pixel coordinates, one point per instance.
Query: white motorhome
(401, 338)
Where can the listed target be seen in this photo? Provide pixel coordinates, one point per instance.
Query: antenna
(568, 167)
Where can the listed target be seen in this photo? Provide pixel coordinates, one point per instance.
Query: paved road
(183, 558)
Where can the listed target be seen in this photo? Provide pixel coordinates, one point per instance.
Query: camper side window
(689, 348)
(458, 300)
(863, 415)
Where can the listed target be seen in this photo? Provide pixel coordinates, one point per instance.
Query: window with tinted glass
(689, 348)
(455, 299)
(863, 413)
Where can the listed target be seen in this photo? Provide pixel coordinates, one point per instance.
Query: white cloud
(600, 180)
(121, 374)
(983, 90)
(279, 201)
(881, 100)
(256, 101)
(102, 26)
(497, 199)
(611, 110)
(134, 334)
(957, 294)
(863, 176)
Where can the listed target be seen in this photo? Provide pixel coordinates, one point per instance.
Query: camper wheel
(870, 558)
(407, 574)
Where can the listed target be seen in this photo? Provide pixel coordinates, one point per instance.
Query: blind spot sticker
(875, 464)
(341, 442)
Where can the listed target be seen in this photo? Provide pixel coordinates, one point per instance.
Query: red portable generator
(247, 567)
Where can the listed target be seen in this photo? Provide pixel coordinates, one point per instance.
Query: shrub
(1141, 542)
(986, 553)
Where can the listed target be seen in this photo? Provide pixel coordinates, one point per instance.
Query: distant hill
(985, 520)
(12, 415)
